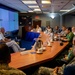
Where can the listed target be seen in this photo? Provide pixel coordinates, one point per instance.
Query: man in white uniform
(10, 43)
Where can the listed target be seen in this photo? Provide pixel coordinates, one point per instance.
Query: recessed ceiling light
(29, 2)
(36, 6)
(64, 10)
(46, 2)
(37, 10)
(52, 15)
(30, 11)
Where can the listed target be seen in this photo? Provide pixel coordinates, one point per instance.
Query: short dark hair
(5, 56)
(69, 28)
(48, 26)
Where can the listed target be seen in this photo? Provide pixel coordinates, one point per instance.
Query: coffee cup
(40, 50)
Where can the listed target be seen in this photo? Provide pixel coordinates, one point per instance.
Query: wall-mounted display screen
(9, 19)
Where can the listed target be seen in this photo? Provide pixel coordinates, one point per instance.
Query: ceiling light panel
(29, 2)
(45, 2)
(30, 11)
(64, 10)
(37, 10)
(33, 6)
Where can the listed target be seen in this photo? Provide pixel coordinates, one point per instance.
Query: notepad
(24, 52)
(33, 52)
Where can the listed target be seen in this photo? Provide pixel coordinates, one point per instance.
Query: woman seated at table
(48, 30)
(5, 59)
(38, 29)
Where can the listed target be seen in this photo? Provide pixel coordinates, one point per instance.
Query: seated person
(10, 43)
(55, 71)
(73, 30)
(68, 69)
(2, 30)
(68, 57)
(38, 29)
(63, 32)
(56, 30)
(5, 59)
(50, 71)
(48, 30)
(69, 35)
(33, 29)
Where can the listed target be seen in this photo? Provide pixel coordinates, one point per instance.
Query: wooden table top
(32, 59)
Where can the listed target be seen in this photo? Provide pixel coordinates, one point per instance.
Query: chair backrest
(30, 36)
(15, 32)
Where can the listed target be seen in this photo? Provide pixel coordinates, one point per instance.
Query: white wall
(45, 17)
(69, 20)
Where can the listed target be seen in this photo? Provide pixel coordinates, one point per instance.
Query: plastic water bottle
(59, 36)
(51, 37)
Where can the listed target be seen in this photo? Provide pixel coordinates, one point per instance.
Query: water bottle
(38, 44)
(51, 37)
(59, 36)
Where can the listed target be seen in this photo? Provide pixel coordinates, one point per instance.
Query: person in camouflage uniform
(5, 59)
(56, 70)
(50, 71)
(68, 69)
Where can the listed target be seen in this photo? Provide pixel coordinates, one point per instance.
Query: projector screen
(9, 19)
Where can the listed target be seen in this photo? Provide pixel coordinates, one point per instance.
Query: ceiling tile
(55, 6)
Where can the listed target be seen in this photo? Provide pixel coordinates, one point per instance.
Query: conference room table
(31, 58)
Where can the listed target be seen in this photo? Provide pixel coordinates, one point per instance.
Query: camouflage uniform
(6, 70)
(49, 71)
(43, 71)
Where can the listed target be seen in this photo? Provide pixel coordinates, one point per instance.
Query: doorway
(36, 22)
